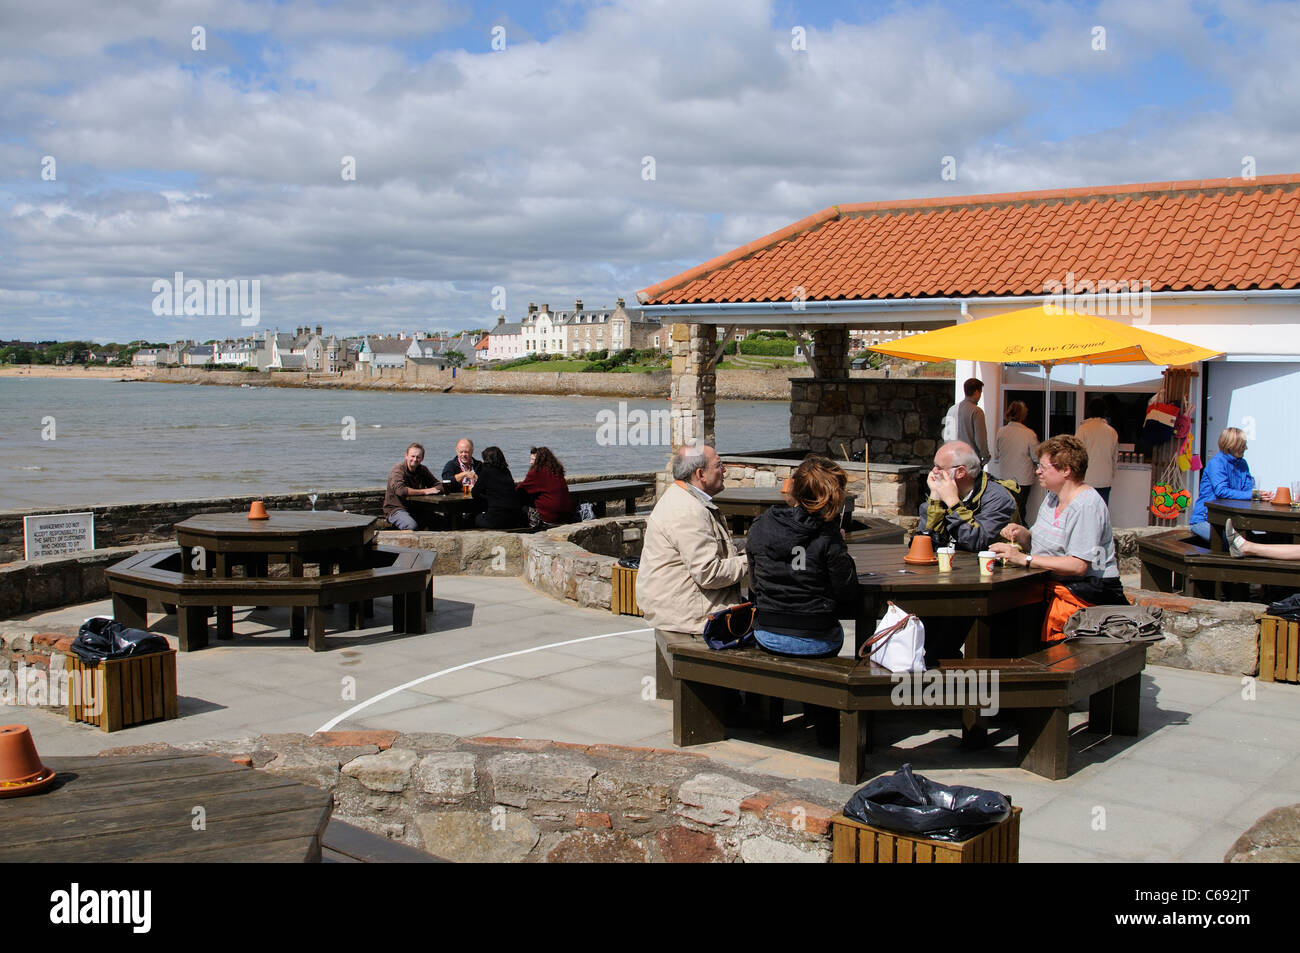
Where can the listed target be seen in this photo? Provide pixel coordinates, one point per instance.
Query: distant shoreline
(773, 385)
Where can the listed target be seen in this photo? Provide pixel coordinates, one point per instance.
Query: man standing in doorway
(1102, 443)
(965, 421)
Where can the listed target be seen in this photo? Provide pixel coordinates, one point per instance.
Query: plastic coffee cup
(987, 558)
(945, 560)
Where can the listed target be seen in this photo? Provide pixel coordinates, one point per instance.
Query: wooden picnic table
(326, 538)
(146, 808)
(988, 601)
(1254, 515)
(600, 492)
(459, 509)
(741, 505)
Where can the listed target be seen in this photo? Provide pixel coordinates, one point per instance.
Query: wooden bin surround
(856, 843)
(119, 693)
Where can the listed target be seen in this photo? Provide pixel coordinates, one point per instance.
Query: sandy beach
(71, 373)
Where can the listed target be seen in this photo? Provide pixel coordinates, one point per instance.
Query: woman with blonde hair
(802, 578)
(1225, 477)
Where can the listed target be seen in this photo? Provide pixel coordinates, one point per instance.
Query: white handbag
(898, 643)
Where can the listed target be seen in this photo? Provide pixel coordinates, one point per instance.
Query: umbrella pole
(1047, 409)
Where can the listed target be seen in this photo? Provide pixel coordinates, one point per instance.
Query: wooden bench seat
(1179, 562)
(1040, 688)
(404, 574)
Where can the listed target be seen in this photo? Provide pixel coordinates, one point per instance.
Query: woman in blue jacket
(1225, 477)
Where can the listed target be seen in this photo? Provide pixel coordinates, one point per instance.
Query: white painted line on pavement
(329, 725)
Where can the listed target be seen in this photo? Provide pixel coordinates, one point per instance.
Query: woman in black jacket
(495, 489)
(802, 578)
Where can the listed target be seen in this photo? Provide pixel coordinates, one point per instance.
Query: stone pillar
(694, 386)
(830, 357)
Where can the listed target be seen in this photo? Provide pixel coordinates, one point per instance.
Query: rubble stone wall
(494, 800)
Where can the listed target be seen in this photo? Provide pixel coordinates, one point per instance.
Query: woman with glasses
(1071, 536)
(1225, 477)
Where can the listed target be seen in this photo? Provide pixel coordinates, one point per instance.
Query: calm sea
(121, 442)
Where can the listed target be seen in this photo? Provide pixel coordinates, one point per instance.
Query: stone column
(830, 352)
(694, 386)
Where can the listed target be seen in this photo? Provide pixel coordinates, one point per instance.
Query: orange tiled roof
(1217, 234)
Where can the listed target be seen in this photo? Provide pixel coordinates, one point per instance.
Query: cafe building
(1215, 263)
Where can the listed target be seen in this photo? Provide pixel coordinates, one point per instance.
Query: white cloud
(523, 168)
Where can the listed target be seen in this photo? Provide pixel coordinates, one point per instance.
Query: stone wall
(503, 800)
(899, 419)
(33, 669)
(39, 584)
(895, 490)
(1203, 635)
(197, 375)
(136, 524)
(576, 562)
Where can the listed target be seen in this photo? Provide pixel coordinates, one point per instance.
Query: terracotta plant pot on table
(21, 770)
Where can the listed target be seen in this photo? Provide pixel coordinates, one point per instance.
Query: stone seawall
(731, 385)
(137, 524)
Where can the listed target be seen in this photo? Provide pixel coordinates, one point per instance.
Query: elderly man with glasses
(966, 507)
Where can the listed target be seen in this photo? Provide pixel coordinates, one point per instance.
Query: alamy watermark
(32, 686)
(1103, 297)
(949, 688)
(634, 428)
(192, 297)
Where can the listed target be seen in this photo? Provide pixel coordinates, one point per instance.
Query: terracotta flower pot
(19, 762)
(258, 511)
(922, 550)
(1283, 495)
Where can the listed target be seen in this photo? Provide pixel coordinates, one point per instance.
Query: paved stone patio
(1208, 763)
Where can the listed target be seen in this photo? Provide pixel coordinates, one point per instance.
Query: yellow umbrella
(1040, 336)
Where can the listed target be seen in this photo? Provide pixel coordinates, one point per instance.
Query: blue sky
(525, 167)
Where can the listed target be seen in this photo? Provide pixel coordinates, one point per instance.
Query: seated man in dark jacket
(966, 508)
(463, 465)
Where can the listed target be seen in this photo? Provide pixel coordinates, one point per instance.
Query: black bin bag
(914, 804)
(103, 638)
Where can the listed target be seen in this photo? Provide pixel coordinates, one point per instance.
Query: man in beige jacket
(689, 565)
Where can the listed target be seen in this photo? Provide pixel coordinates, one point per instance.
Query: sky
(406, 165)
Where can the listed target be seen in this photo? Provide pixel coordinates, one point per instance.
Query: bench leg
(131, 610)
(413, 611)
(1045, 741)
(663, 674)
(225, 623)
(316, 628)
(1114, 710)
(974, 730)
(296, 626)
(192, 627)
(855, 742)
(697, 713)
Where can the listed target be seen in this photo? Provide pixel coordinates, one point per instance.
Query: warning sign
(59, 535)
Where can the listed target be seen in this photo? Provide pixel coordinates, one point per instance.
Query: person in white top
(1013, 449)
(1102, 443)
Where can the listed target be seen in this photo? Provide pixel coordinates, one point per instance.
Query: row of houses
(303, 350)
(574, 332)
